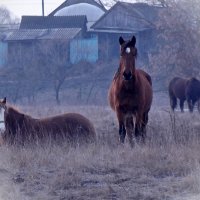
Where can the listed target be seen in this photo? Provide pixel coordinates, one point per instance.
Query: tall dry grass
(166, 167)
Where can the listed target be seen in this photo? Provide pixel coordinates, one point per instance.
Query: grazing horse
(130, 94)
(176, 91)
(71, 127)
(192, 93)
(184, 89)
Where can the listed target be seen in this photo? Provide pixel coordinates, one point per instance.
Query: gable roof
(32, 34)
(41, 22)
(72, 2)
(127, 17)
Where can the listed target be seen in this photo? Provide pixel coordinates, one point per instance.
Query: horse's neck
(10, 110)
(14, 114)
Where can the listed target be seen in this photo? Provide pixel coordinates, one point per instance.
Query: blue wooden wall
(3, 53)
(84, 49)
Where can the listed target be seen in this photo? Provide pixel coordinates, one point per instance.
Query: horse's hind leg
(182, 104)
(137, 133)
(144, 125)
(173, 102)
(122, 132)
(130, 130)
(172, 98)
(140, 131)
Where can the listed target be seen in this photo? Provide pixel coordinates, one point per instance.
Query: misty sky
(34, 7)
(30, 7)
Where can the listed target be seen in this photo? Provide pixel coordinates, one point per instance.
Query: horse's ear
(4, 100)
(121, 40)
(133, 41)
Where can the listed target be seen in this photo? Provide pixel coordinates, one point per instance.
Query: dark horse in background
(130, 94)
(192, 93)
(20, 128)
(184, 90)
(176, 91)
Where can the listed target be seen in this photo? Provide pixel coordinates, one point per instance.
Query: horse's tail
(172, 97)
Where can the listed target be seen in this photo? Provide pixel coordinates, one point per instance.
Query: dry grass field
(167, 167)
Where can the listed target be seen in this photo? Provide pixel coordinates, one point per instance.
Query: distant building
(126, 19)
(5, 31)
(86, 48)
(37, 36)
(83, 30)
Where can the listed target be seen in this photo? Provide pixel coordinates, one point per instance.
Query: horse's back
(74, 125)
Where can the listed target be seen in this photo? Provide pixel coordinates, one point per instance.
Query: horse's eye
(128, 50)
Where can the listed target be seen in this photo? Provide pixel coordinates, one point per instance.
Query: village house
(82, 30)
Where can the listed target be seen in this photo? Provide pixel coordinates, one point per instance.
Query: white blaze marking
(128, 50)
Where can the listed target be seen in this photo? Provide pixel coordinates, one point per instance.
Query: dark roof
(148, 12)
(32, 34)
(40, 22)
(72, 2)
(129, 17)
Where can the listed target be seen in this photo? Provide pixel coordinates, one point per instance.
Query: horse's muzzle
(127, 76)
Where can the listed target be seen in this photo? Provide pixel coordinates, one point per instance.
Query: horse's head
(128, 53)
(2, 104)
(2, 110)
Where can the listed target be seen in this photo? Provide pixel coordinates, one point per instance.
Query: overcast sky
(30, 7)
(34, 7)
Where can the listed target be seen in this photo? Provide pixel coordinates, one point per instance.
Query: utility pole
(43, 8)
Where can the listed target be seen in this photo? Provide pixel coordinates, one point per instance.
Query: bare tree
(6, 16)
(178, 43)
(55, 59)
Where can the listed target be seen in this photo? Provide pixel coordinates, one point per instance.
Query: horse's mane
(14, 110)
(116, 73)
(194, 79)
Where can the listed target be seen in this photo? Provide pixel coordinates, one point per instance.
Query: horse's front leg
(122, 130)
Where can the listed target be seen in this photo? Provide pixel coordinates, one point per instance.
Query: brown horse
(176, 91)
(71, 127)
(130, 94)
